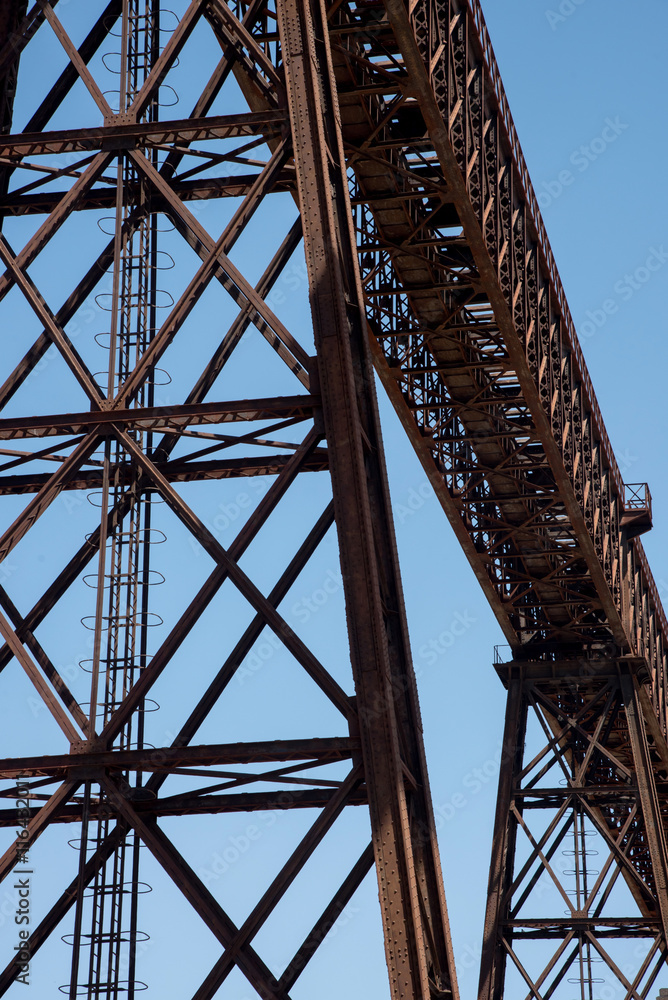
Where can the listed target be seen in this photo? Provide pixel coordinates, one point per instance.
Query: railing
(652, 588)
(543, 241)
(637, 497)
(503, 653)
(628, 501)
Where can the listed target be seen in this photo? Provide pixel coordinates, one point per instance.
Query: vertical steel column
(654, 821)
(492, 963)
(577, 785)
(11, 14)
(417, 942)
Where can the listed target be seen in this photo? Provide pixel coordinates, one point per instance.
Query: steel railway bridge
(378, 135)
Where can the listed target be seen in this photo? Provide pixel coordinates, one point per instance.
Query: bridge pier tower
(579, 858)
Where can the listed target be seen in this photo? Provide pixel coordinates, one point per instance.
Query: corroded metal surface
(387, 124)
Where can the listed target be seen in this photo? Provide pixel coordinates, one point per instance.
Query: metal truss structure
(376, 133)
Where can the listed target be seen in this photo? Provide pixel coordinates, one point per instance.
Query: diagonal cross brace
(211, 544)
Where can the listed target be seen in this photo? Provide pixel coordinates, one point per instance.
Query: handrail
(544, 244)
(543, 241)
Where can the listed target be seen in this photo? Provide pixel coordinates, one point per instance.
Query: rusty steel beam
(197, 894)
(475, 345)
(234, 186)
(166, 758)
(400, 236)
(258, 518)
(197, 285)
(254, 921)
(135, 135)
(46, 927)
(173, 418)
(280, 799)
(68, 204)
(230, 277)
(245, 585)
(48, 811)
(327, 919)
(17, 378)
(174, 472)
(90, 45)
(12, 15)
(590, 715)
(252, 633)
(493, 958)
(424, 250)
(417, 940)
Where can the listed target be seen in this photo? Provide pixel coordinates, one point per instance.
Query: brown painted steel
(166, 758)
(417, 941)
(611, 784)
(387, 123)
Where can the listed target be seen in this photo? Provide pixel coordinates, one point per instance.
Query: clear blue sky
(588, 93)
